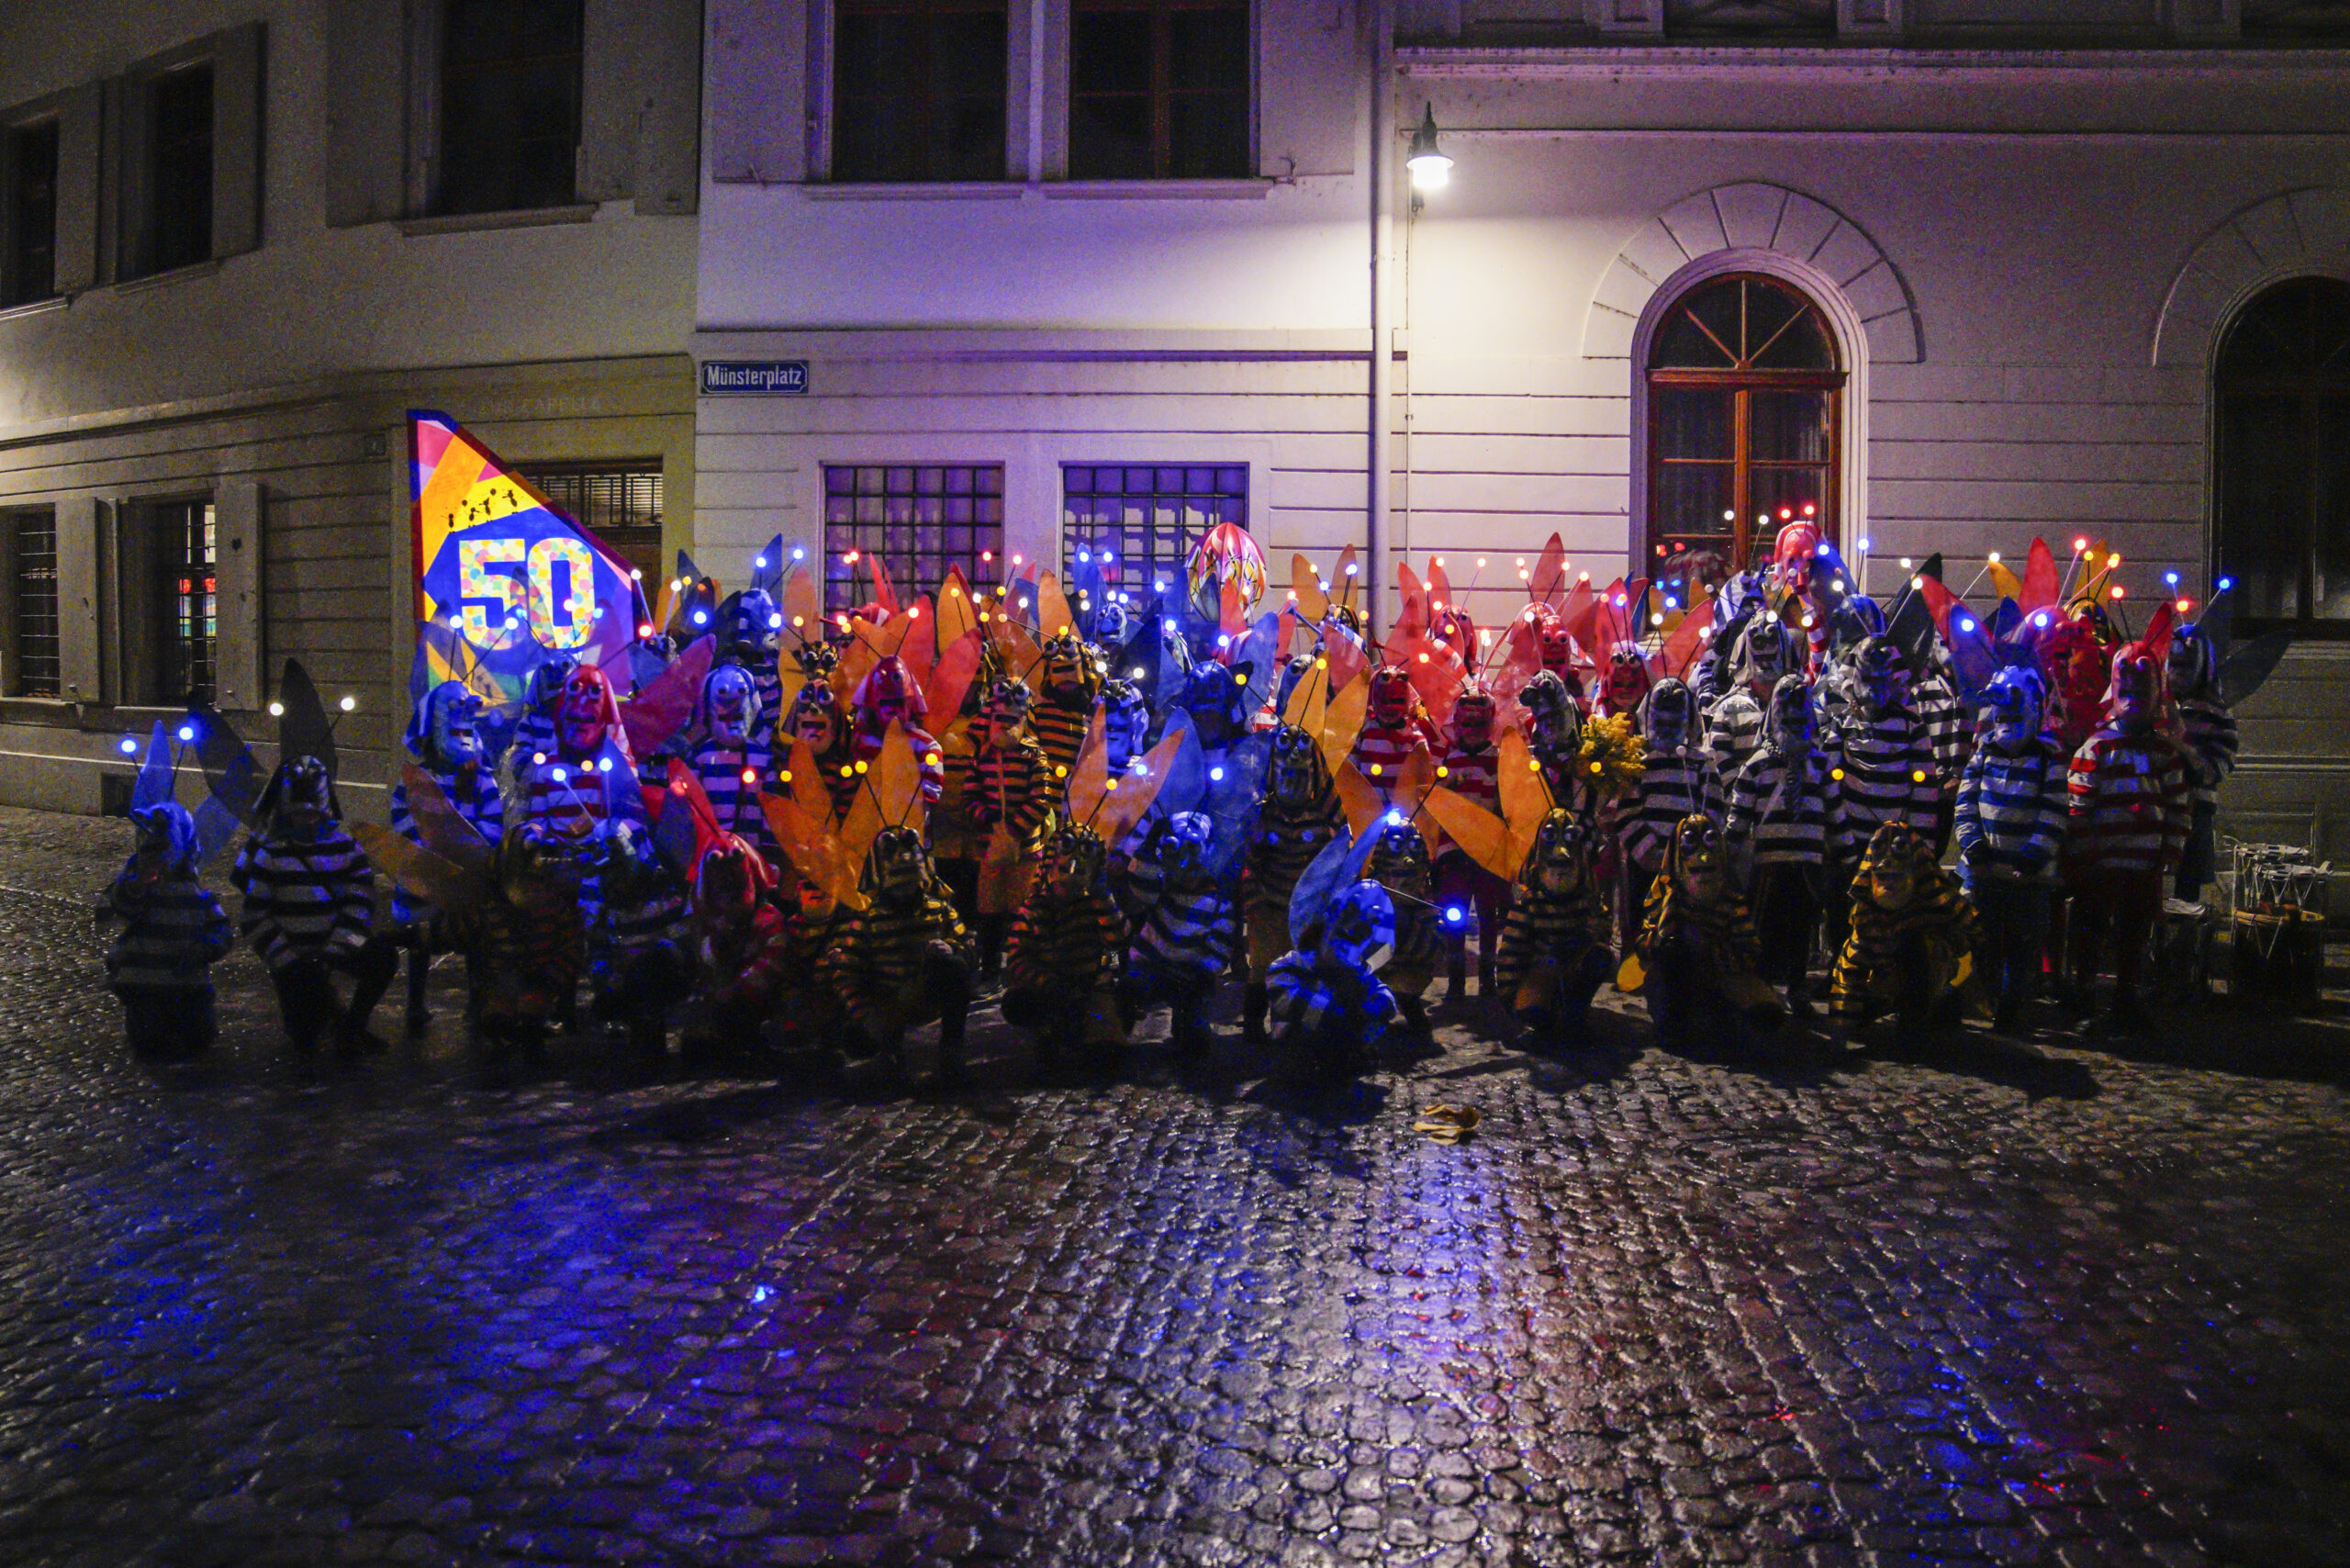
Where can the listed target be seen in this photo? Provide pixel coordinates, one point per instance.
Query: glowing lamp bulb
(774, 621)
(538, 757)
(1918, 776)
(278, 710)
(1837, 773)
(2183, 605)
(603, 765)
(187, 732)
(1350, 568)
(1443, 772)
(2080, 546)
(759, 563)
(1965, 624)
(1993, 558)
(645, 630)
(1454, 914)
(2117, 591)
(2171, 577)
(1862, 543)
(700, 617)
(2226, 583)
(797, 553)
(456, 623)
(860, 767)
(2040, 619)
(1376, 770)
(1907, 562)
(750, 776)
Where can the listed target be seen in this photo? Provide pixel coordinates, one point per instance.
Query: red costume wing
(951, 677)
(1549, 579)
(658, 712)
(2040, 579)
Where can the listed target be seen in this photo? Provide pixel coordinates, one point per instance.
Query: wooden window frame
(1162, 92)
(833, 97)
(2310, 390)
(429, 44)
(1743, 385)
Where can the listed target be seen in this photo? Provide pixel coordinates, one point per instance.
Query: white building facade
(1986, 253)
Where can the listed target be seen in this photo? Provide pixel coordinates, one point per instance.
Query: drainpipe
(1380, 458)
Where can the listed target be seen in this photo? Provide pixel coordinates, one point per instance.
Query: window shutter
(612, 78)
(1308, 119)
(237, 519)
(236, 127)
(77, 188)
(366, 92)
(759, 91)
(668, 123)
(78, 599)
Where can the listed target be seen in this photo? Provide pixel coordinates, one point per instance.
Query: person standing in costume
(1766, 650)
(2207, 732)
(174, 930)
(1298, 817)
(732, 754)
(1470, 767)
(1786, 807)
(2131, 793)
(1676, 781)
(636, 945)
(1184, 927)
(444, 737)
(1007, 796)
(2013, 817)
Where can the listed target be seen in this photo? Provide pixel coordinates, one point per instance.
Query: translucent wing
(1053, 615)
(1309, 700)
(915, 645)
(766, 566)
(1682, 644)
(884, 593)
(803, 609)
(230, 771)
(156, 771)
(660, 710)
(1484, 837)
(1358, 797)
(216, 826)
(805, 781)
(1185, 782)
(1525, 797)
(1550, 577)
(2004, 583)
(1313, 604)
(1232, 799)
(1349, 569)
(421, 872)
(2248, 667)
(304, 729)
(958, 611)
(684, 786)
(812, 848)
(951, 677)
(1316, 886)
(1342, 720)
(1439, 588)
(443, 827)
(2041, 578)
(1134, 791)
(1089, 780)
(1413, 615)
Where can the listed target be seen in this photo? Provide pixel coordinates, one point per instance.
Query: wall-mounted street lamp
(1431, 169)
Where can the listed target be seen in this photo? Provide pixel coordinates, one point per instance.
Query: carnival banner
(503, 578)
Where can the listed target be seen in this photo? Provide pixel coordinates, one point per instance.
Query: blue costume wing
(1317, 885)
(767, 568)
(1236, 780)
(233, 777)
(1186, 784)
(157, 772)
(304, 729)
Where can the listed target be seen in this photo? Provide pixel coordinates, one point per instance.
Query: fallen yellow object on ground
(1447, 1123)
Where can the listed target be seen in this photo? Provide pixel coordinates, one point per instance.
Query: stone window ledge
(473, 222)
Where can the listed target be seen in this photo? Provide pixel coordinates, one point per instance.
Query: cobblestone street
(2000, 1303)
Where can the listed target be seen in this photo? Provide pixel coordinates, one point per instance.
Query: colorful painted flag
(501, 570)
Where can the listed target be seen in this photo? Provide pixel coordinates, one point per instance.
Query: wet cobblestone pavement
(2016, 1304)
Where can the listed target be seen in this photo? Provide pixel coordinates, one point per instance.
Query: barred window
(187, 623)
(917, 521)
(1148, 516)
(619, 501)
(32, 666)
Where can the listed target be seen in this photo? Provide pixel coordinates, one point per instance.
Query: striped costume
(1950, 729)
(2013, 807)
(1733, 734)
(1792, 813)
(1067, 944)
(1288, 835)
(721, 765)
(304, 899)
(1904, 956)
(879, 963)
(1889, 773)
(1546, 928)
(1675, 782)
(172, 931)
(2209, 732)
(1060, 729)
(1474, 776)
(1184, 930)
(2130, 796)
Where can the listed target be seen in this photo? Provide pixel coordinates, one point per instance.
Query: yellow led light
(785, 776)
(1444, 773)
(1059, 771)
(1918, 776)
(1374, 770)
(1109, 783)
(846, 771)
(860, 767)
(1837, 773)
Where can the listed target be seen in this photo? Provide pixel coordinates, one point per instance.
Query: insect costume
(1912, 939)
(636, 946)
(1697, 944)
(1001, 794)
(1786, 815)
(1061, 969)
(2011, 823)
(308, 896)
(1329, 1006)
(174, 930)
(1184, 927)
(732, 754)
(1470, 768)
(904, 959)
(444, 737)
(1298, 818)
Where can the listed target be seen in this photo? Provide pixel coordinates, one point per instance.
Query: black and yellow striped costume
(1060, 731)
(1400, 865)
(1707, 941)
(1555, 915)
(877, 963)
(1901, 950)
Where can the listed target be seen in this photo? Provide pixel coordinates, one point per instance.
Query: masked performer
(1912, 939)
(444, 737)
(1399, 862)
(1063, 711)
(888, 694)
(817, 717)
(2208, 733)
(1007, 798)
(904, 959)
(1699, 943)
(1766, 650)
(1787, 806)
(569, 787)
(1329, 1006)
(733, 755)
(2011, 822)
(1887, 757)
(308, 901)
(541, 701)
(2130, 796)
(1555, 945)
(1676, 781)
(636, 948)
(1298, 818)
(533, 941)
(739, 949)
(1624, 687)
(1125, 726)
(750, 628)
(1554, 734)
(1470, 768)
(1393, 723)
(173, 931)
(1062, 967)
(1183, 926)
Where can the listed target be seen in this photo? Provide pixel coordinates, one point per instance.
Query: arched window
(2282, 388)
(1744, 424)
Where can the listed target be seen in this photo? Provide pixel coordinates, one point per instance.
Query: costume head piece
(1558, 862)
(167, 837)
(1126, 721)
(1297, 773)
(1766, 651)
(1005, 704)
(588, 713)
(2194, 662)
(548, 678)
(538, 866)
(896, 869)
(1893, 867)
(299, 796)
(1399, 858)
(1360, 927)
(1882, 672)
(816, 717)
(1552, 719)
(1184, 849)
(1391, 696)
(1628, 678)
(2017, 700)
(1474, 712)
(444, 733)
(887, 692)
(728, 709)
(1788, 725)
(1075, 862)
(1698, 861)
(1069, 678)
(749, 622)
(1668, 715)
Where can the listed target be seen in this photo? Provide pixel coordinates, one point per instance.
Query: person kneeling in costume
(1184, 927)
(904, 959)
(1061, 968)
(173, 931)
(1329, 1006)
(444, 737)
(309, 905)
(532, 937)
(1912, 942)
(1555, 950)
(739, 948)
(1698, 946)
(636, 948)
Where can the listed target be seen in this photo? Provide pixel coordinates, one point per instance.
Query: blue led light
(1454, 915)
(187, 732)
(1216, 774)
(2226, 583)
(129, 747)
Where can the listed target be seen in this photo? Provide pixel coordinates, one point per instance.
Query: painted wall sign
(787, 378)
